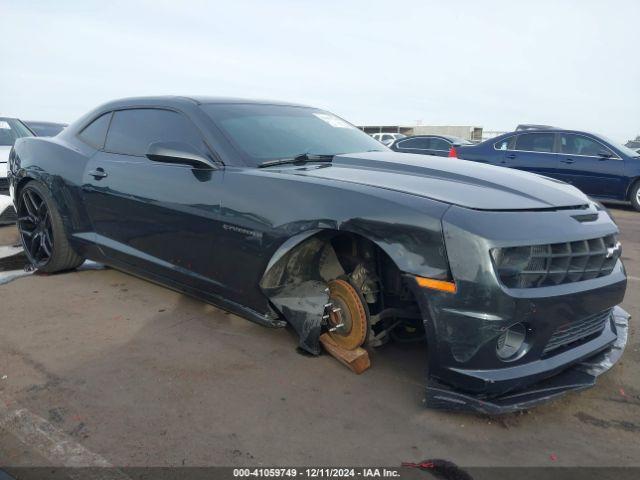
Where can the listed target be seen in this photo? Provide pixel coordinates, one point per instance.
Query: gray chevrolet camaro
(289, 215)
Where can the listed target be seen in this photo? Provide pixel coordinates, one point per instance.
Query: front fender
(296, 275)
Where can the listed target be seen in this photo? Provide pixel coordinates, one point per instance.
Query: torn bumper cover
(578, 376)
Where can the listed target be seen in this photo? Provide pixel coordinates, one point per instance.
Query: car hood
(450, 180)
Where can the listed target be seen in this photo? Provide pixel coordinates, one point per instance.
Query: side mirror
(178, 153)
(605, 154)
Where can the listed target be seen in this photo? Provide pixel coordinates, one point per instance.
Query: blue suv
(599, 167)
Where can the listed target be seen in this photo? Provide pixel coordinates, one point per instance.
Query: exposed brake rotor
(348, 319)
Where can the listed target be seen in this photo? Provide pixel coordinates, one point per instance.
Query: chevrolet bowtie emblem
(612, 251)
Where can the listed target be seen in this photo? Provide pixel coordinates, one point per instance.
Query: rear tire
(41, 231)
(635, 196)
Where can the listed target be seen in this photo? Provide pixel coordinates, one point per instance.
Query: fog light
(511, 343)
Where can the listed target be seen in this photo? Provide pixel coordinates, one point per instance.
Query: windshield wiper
(298, 160)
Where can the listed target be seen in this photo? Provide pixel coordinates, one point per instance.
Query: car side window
(535, 142)
(95, 133)
(440, 144)
(505, 144)
(580, 145)
(414, 143)
(132, 131)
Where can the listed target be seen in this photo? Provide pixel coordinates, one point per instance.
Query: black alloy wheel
(34, 224)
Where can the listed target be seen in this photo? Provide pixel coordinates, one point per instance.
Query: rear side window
(414, 143)
(535, 142)
(440, 144)
(580, 145)
(95, 133)
(132, 131)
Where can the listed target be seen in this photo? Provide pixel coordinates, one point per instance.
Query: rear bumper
(576, 377)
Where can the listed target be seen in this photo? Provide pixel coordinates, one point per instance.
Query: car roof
(532, 126)
(48, 124)
(546, 130)
(451, 138)
(193, 100)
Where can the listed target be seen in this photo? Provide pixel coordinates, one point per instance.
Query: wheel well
(20, 185)
(632, 185)
(327, 255)
(392, 305)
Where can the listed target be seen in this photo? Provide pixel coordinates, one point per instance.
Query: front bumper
(463, 328)
(577, 377)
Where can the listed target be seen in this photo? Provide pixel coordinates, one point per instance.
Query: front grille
(4, 185)
(556, 263)
(579, 330)
(8, 215)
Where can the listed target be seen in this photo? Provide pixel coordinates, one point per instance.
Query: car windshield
(270, 132)
(10, 130)
(625, 150)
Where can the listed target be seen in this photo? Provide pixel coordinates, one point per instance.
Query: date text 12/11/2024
(363, 472)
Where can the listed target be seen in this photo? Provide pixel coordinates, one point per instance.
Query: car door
(591, 166)
(161, 217)
(439, 146)
(532, 152)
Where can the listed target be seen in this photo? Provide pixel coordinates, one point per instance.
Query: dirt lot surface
(118, 370)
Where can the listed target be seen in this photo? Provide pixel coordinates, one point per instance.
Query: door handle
(568, 160)
(98, 173)
(510, 155)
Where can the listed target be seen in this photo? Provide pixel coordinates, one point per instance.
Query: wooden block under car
(357, 360)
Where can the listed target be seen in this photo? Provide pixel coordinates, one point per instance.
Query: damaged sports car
(289, 215)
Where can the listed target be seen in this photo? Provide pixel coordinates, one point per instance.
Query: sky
(494, 64)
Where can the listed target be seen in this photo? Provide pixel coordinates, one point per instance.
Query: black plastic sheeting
(303, 306)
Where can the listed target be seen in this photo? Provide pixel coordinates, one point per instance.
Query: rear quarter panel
(482, 152)
(59, 164)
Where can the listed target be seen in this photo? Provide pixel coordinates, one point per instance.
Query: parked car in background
(634, 144)
(387, 138)
(10, 130)
(45, 129)
(601, 168)
(7, 212)
(287, 214)
(439, 145)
